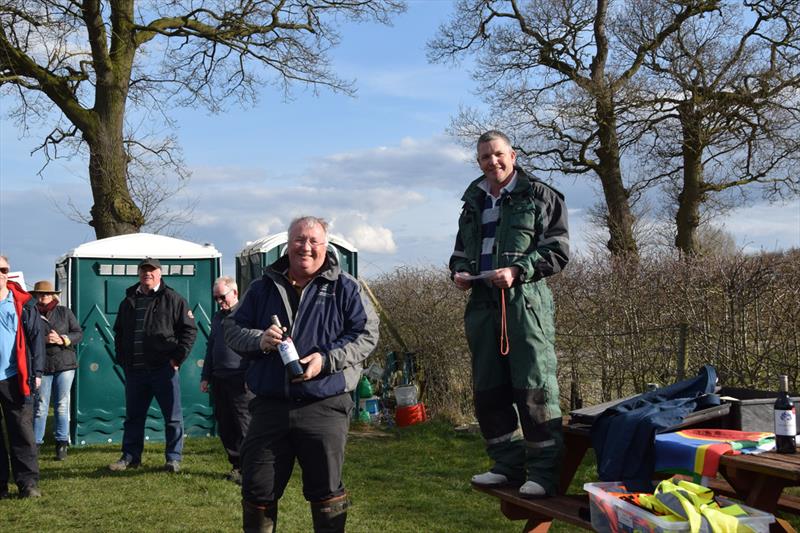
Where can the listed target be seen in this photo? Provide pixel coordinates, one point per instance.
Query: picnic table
(758, 480)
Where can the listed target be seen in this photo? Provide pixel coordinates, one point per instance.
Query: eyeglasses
(301, 241)
(4, 270)
(221, 297)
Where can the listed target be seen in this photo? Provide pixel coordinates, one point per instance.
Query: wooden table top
(780, 465)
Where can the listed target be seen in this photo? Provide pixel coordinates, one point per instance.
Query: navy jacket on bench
(623, 436)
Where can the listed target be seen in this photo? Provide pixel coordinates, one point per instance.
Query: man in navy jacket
(334, 328)
(223, 376)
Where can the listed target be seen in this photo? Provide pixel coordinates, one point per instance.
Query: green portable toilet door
(99, 392)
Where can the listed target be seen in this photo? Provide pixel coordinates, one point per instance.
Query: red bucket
(411, 414)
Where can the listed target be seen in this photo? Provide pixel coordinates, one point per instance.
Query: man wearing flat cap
(154, 333)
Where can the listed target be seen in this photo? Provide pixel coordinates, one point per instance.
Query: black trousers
(314, 433)
(17, 412)
(231, 410)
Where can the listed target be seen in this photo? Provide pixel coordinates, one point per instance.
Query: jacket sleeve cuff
(527, 269)
(180, 356)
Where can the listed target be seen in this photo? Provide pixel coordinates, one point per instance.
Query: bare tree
(88, 60)
(157, 180)
(723, 107)
(552, 78)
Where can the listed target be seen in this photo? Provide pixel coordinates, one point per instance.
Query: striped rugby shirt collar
(506, 189)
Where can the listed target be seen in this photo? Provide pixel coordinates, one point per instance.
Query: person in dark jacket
(334, 328)
(512, 234)
(153, 334)
(223, 375)
(62, 335)
(21, 366)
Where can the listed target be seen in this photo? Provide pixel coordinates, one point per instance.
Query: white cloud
(369, 195)
(397, 203)
(765, 226)
(437, 163)
(372, 239)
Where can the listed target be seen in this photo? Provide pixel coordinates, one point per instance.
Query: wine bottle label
(288, 352)
(785, 423)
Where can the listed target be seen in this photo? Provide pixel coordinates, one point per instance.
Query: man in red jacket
(21, 364)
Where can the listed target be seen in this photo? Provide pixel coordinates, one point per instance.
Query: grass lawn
(413, 479)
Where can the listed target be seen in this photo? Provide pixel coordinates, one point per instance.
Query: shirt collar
(140, 291)
(506, 189)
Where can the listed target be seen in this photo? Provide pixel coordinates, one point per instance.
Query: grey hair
(492, 135)
(309, 222)
(228, 281)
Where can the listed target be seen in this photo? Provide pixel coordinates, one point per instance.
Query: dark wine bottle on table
(289, 356)
(785, 419)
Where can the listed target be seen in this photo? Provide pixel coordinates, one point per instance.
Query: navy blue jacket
(623, 436)
(221, 361)
(334, 318)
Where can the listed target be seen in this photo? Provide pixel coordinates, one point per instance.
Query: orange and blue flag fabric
(697, 452)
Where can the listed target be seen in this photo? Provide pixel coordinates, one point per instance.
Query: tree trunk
(114, 211)
(687, 219)
(622, 242)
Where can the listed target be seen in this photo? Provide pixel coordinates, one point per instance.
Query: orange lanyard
(504, 347)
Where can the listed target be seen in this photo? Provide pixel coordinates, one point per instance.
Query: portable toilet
(93, 278)
(257, 255)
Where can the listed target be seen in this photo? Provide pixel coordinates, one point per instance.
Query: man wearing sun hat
(154, 333)
(21, 363)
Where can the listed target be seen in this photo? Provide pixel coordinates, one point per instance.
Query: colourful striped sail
(696, 452)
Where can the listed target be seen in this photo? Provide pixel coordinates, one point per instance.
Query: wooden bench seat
(572, 509)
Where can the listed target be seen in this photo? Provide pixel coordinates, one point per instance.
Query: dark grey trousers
(314, 433)
(231, 410)
(17, 413)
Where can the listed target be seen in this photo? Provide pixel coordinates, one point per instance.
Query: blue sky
(379, 166)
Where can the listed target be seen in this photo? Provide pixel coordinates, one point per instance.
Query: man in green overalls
(512, 233)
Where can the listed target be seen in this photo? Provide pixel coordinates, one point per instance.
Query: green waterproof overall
(532, 235)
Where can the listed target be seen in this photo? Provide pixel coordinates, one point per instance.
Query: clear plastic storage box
(612, 515)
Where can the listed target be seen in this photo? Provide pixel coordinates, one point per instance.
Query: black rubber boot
(61, 450)
(330, 515)
(259, 518)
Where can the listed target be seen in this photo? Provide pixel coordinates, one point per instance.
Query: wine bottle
(291, 361)
(785, 419)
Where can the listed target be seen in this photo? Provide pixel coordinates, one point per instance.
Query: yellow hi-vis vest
(681, 500)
